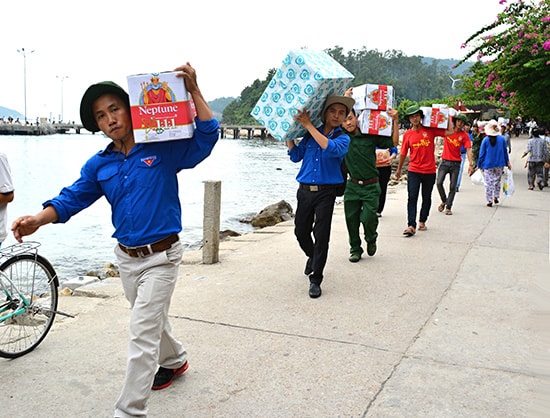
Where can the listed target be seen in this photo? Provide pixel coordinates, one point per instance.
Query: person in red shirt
(419, 142)
(451, 160)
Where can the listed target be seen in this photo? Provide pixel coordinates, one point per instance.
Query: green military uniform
(362, 189)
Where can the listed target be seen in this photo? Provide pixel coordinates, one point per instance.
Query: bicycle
(28, 299)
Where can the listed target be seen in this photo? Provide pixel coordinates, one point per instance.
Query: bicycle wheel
(31, 277)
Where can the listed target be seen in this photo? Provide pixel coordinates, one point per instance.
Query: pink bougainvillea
(513, 54)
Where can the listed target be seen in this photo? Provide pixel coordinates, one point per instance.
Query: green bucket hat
(412, 110)
(94, 92)
(462, 117)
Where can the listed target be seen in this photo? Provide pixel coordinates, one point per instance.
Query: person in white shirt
(532, 124)
(6, 195)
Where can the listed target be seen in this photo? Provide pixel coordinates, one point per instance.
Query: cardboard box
(382, 155)
(435, 117)
(304, 80)
(160, 106)
(375, 122)
(373, 96)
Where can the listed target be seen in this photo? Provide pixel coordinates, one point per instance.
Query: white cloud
(229, 43)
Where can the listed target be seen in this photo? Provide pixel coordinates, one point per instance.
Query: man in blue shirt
(140, 182)
(321, 152)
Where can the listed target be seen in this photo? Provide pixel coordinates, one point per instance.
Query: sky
(70, 45)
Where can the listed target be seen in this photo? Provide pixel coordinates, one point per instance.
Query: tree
(513, 60)
(238, 111)
(413, 78)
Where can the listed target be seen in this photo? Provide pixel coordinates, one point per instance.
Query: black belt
(363, 182)
(155, 247)
(317, 187)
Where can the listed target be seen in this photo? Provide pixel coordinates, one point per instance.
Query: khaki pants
(148, 284)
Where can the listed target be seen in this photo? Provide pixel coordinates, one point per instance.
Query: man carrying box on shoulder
(451, 160)
(321, 152)
(140, 183)
(419, 141)
(362, 193)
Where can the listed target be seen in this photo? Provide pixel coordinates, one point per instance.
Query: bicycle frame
(23, 303)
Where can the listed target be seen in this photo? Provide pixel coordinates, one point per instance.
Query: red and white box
(375, 122)
(373, 96)
(161, 107)
(435, 117)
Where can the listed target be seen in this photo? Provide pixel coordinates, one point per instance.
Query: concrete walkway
(448, 323)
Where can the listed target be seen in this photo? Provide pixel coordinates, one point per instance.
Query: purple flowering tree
(512, 69)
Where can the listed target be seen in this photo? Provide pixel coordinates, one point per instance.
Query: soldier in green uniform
(362, 188)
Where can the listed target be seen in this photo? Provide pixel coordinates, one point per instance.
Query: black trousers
(384, 175)
(312, 224)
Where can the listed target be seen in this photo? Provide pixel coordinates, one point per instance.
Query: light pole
(22, 51)
(62, 77)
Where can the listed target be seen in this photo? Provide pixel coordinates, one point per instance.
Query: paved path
(447, 323)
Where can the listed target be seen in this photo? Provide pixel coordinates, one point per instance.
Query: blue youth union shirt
(142, 187)
(320, 166)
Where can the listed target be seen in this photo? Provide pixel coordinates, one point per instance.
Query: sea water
(254, 173)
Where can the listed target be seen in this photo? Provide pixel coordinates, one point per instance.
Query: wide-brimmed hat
(492, 128)
(413, 110)
(91, 95)
(348, 102)
(462, 117)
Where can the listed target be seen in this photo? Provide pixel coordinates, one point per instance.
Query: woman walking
(493, 157)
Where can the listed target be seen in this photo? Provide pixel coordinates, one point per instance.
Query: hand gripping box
(375, 122)
(435, 117)
(373, 96)
(160, 106)
(304, 80)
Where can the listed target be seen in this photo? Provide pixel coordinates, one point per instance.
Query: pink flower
(546, 45)
(546, 19)
(463, 46)
(502, 2)
(476, 83)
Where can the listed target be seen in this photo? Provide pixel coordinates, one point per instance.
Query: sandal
(409, 232)
(441, 207)
(422, 226)
(448, 212)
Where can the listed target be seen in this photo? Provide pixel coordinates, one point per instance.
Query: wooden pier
(40, 129)
(244, 132)
(226, 131)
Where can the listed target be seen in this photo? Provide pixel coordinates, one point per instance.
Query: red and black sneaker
(165, 377)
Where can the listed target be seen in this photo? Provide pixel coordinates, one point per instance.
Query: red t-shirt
(421, 145)
(452, 144)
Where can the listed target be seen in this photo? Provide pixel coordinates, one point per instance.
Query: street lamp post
(22, 51)
(62, 77)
